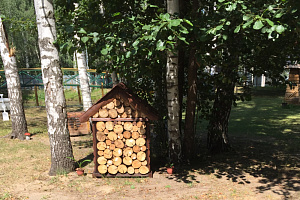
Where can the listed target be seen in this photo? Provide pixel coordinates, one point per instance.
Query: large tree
(17, 114)
(60, 143)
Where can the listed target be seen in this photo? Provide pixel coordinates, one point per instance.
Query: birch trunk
(17, 115)
(84, 80)
(60, 143)
(173, 96)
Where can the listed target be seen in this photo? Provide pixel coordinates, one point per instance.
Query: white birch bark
(84, 80)
(173, 96)
(83, 76)
(60, 143)
(17, 115)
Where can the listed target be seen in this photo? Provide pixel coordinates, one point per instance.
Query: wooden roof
(122, 91)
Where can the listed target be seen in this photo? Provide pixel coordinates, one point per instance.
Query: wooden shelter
(121, 134)
(292, 89)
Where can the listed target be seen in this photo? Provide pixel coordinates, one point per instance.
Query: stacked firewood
(121, 145)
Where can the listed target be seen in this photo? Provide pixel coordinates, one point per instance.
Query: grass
(265, 137)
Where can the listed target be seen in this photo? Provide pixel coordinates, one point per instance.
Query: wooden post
(79, 96)
(36, 96)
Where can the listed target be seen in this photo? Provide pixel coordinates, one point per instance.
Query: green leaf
(219, 27)
(160, 45)
(84, 39)
(170, 37)
(95, 39)
(246, 17)
(116, 14)
(221, 1)
(128, 53)
(237, 29)
(82, 31)
(104, 52)
(280, 28)
(258, 25)
(278, 15)
(270, 22)
(175, 22)
(146, 27)
(188, 22)
(248, 23)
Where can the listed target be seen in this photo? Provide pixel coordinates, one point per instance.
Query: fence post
(36, 96)
(79, 96)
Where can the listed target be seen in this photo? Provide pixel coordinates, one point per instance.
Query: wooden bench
(4, 103)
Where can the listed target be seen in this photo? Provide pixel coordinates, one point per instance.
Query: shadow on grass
(265, 138)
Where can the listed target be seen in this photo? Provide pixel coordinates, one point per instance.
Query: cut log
(127, 134)
(112, 169)
(100, 153)
(133, 156)
(112, 147)
(142, 130)
(118, 129)
(110, 105)
(127, 151)
(100, 136)
(113, 113)
(141, 156)
(117, 161)
(112, 136)
(122, 169)
(120, 136)
(108, 142)
(136, 148)
(130, 142)
(101, 146)
(135, 128)
(101, 160)
(124, 115)
(136, 164)
(100, 126)
(107, 153)
(143, 148)
(140, 142)
(120, 109)
(135, 114)
(102, 169)
(125, 102)
(144, 170)
(109, 162)
(144, 163)
(96, 115)
(135, 135)
(130, 170)
(109, 126)
(117, 102)
(128, 110)
(136, 171)
(139, 124)
(117, 152)
(127, 160)
(103, 113)
(128, 126)
(106, 131)
(119, 144)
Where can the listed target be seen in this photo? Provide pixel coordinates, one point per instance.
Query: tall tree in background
(17, 114)
(60, 143)
(173, 95)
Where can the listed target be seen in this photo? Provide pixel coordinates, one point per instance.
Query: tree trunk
(189, 130)
(217, 138)
(17, 115)
(173, 96)
(60, 143)
(84, 80)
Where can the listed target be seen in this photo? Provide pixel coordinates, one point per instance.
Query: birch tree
(60, 143)
(17, 115)
(173, 95)
(84, 80)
